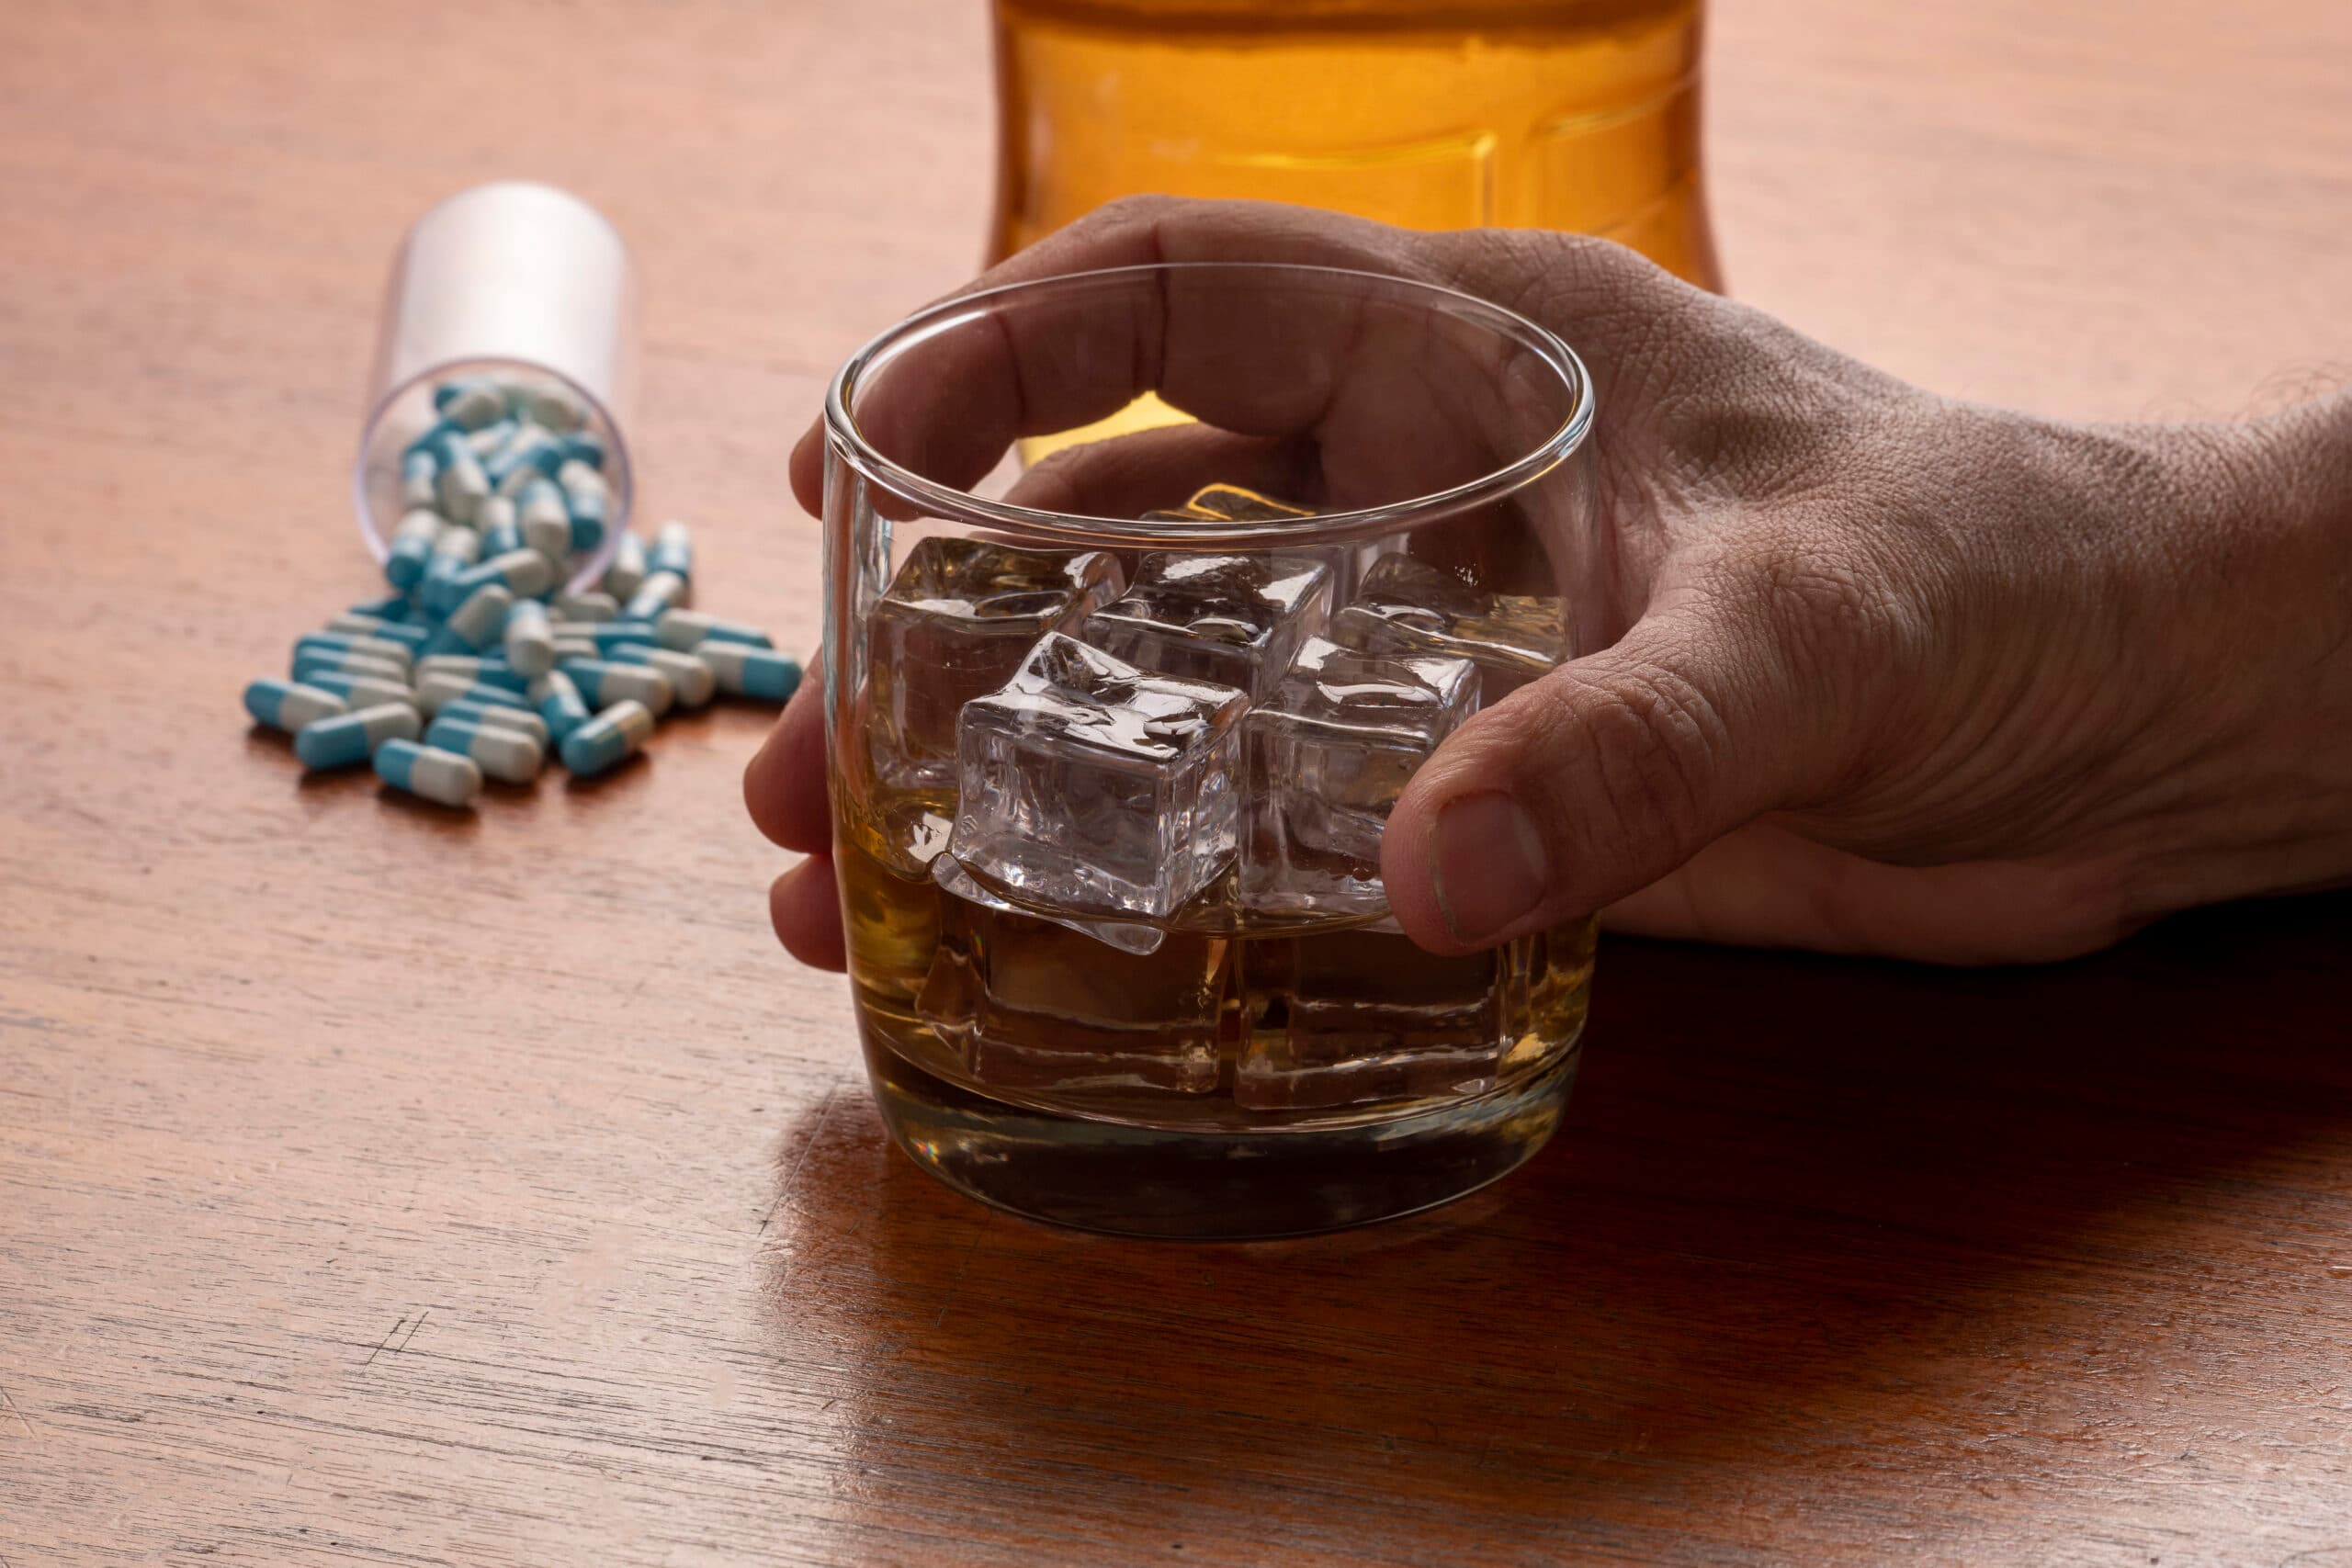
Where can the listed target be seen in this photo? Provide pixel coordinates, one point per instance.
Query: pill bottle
(522, 286)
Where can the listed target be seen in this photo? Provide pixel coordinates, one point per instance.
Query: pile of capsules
(478, 663)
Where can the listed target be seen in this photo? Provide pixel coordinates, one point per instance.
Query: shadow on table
(1807, 1218)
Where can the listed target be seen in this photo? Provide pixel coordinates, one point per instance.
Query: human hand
(1897, 674)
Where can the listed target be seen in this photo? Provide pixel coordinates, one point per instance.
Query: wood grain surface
(381, 1187)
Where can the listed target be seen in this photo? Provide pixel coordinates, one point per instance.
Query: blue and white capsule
(411, 546)
(608, 739)
(692, 681)
(309, 663)
(686, 630)
(532, 455)
(547, 523)
(453, 552)
(429, 772)
(525, 573)
(660, 593)
(352, 623)
(592, 605)
(529, 638)
(756, 672)
(497, 523)
(365, 691)
(436, 691)
(352, 738)
(494, 716)
(503, 754)
(289, 705)
(462, 486)
(589, 501)
(479, 620)
(608, 635)
(673, 549)
(555, 696)
(470, 405)
(626, 574)
(584, 449)
(418, 470)
(602, 684)
(549, 405)
(490, 669)
(389, 649)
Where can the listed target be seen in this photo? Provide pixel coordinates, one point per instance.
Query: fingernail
(1488, 869)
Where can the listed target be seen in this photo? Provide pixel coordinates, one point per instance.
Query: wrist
(2257, 540)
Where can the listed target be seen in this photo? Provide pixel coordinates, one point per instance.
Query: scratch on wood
(956, 1286)
(402, 1348)
(381, 1343)
(792, 1177)
(10, 1405)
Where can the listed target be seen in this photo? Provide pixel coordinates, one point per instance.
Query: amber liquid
(1574, 115)
(1577, 114)
(1223, 1027)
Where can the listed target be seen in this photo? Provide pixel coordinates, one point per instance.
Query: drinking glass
(1112, 741)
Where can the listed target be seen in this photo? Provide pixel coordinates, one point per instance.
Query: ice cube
(1088, 787)
(1037, 1004)
(1232, 619)
(1407, 606)
(955, 623)
(1324, 758)
(1127, 936)
(1345, 1018)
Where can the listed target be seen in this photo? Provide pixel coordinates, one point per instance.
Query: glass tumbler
(1113, 741)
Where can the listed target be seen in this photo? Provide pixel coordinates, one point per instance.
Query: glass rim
(846, 441)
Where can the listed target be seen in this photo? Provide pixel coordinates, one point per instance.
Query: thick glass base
(1212, 1184)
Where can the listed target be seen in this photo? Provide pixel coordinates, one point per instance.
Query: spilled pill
(608, 634)
(490, 669)
(659, 591)
(479, 620)
(501, 754)
(626, 572)
(602, 684)
(365, 691)
(288, 706)
(556, 700)
(608, 740)
(351, 738)
(429, 772)
(493, 715)
(673, 550)
(529, 640)
(685, 629)
(348, 661)
(745, 672)
(692, 681)
(399, 653)
(436, 691)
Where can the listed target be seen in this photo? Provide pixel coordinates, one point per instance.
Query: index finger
(1061, 367)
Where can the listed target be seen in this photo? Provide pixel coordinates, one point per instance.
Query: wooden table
(381, 1188)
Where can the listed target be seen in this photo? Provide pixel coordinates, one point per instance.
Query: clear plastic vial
(520, 283)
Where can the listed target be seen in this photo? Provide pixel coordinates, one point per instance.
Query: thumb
(1596, 781)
